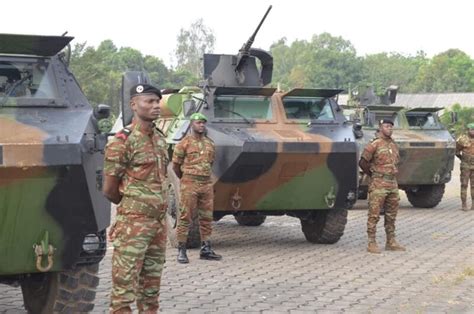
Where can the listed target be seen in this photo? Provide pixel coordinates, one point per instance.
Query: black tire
(70, 291)
(250, 220)
(194, 237)
(426, 196)
(325, 226)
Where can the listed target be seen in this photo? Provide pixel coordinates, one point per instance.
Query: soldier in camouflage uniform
(192, 161)
(379, 161)
(135, 170)
(465, 152)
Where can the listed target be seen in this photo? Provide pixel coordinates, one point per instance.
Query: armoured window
(308, 108)
(242, 107)
(423, 120)
(22, 81)
(380, 115)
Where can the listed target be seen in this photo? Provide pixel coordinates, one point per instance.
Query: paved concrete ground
(272, 269)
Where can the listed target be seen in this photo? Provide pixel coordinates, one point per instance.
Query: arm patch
(123, 134)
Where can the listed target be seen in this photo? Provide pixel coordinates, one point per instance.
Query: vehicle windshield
(240, 107)
(423, 120)
(376, 116)
(23, 80)
(308, 108)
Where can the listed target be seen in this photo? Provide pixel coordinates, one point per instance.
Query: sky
(151, 26)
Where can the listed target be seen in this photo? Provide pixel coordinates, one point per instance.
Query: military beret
(470, 125)
(198, 116)
(382, 121)
(143, 89)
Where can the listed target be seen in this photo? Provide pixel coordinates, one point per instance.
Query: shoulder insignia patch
(123, 134)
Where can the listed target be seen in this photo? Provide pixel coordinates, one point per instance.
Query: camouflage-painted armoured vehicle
(426, 146)
(277, 152)
(52, 213)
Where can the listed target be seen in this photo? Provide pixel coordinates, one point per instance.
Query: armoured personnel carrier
(426, 146)
(277, 152)
(52, 213)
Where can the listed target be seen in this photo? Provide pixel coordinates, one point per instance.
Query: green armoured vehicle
(52, 213)
(426, 146)
(277, 152)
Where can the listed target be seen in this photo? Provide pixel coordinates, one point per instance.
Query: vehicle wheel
(250, 220)
(70, 291)
(194, 237)
(325, 226)
(427, 196)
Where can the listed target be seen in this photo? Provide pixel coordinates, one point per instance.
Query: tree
(465, 116)
(191, 46)
(385, 69)
(99, 71)
(325, 62)
(450, 71)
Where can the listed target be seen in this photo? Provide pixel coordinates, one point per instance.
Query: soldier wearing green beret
(465, 152)
(192, 162)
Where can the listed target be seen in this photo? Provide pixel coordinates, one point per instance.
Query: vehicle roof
(36, 45)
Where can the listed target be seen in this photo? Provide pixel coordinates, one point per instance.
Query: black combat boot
(208, 253)
(182, 257)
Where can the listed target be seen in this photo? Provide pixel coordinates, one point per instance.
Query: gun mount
(240, 69)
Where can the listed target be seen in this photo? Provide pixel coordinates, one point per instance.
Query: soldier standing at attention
(135, 169)
(379, 161)
(192, 162)
(465, 152)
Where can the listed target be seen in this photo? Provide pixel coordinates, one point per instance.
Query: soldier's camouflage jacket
(195, 155)
(465, 147)
(383, 156)
(140, 159)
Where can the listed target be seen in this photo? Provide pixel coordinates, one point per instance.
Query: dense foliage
(465, 115)
(324, 61)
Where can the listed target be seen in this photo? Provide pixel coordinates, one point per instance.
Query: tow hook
(236, 200)
(42, 250)
(330, 198)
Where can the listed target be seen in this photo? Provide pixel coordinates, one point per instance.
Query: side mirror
(182, 131)
(454, 117)
(189, 107)
(102, 112)
(357, 129)
(129, 79)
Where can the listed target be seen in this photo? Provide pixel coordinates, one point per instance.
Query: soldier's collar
(139, 126)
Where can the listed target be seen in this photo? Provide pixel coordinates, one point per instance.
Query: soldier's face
(146, 107)
(199, 126)
(386, 129)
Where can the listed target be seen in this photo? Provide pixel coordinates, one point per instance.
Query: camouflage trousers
(467, 175)
(197, 197)
(387, 198)
(137, 262)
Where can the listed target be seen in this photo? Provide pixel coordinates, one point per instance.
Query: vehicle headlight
(91, 243)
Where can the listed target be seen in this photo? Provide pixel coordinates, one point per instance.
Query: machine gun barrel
(246, 46)
(244, 51)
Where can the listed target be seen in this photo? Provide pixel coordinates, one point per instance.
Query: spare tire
(250, 220)
(325, 226)
(426, 196)
(71, 291)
